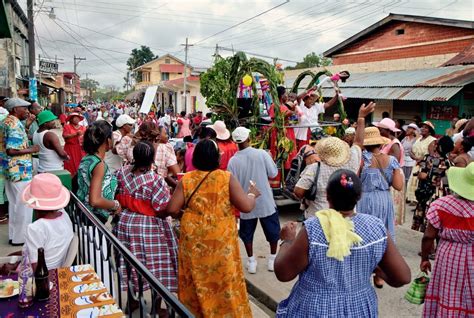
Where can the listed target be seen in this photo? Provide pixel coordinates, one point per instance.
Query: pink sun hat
(386, 123)
(45, 192)
(221, 130)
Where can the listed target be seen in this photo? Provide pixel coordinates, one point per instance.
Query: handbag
(417, 290)
(310, 194)
(194, 191)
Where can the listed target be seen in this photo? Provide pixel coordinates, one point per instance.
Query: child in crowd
(53, 229)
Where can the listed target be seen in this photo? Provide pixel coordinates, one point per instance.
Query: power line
(242, 22)
(93, 53)
(111, 36)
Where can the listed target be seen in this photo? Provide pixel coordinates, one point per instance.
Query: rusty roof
(434, 84)
(465, 57)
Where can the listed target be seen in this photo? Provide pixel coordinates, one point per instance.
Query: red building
(423, 40)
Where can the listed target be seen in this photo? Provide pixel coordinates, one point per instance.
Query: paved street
(270, 291)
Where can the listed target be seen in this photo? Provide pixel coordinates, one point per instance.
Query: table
(76, 291)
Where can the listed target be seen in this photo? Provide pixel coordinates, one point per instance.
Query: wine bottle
(41, 277)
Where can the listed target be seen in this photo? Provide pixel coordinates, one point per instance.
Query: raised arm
(331, 102)
(363, 112)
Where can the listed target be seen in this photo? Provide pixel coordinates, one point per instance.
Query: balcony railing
(99, 247)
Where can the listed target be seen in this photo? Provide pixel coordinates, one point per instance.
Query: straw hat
(333, 151)
(45, 192)
(459, 123)
(372, 137)
(461, 181)
(430, 126)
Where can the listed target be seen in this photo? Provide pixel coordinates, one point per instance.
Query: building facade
(409, 65)
(14, 59)
(167, 72)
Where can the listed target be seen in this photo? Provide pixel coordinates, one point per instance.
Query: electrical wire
(242, 22)
(92, 52)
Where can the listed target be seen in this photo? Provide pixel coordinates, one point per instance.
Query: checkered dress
(149, 238)
(331, 288)
(451, 289)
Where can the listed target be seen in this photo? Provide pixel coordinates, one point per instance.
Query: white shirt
(54, 235)
(165, 121)
(309, 116)
(49, 160)
(458, 136)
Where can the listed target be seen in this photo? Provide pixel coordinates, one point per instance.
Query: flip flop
(4, 220)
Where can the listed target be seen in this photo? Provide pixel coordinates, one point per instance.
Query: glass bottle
(41, 277)
(25, 281)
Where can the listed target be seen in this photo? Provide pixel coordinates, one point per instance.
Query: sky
(105, 31)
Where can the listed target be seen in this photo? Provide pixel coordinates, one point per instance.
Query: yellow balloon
(247, 80)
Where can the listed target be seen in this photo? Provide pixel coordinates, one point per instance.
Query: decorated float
(241, 91)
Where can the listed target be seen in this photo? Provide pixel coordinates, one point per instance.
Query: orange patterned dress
(211, 281)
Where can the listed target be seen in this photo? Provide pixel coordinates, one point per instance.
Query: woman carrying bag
(209, 255)
(451, 218)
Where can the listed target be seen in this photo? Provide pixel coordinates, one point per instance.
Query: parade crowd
(179, 190)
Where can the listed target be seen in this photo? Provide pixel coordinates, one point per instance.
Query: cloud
(290, 31)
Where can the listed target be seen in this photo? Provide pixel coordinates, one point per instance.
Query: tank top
(386, 149)
(49, 160)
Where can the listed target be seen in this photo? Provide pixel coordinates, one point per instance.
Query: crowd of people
(180, 207)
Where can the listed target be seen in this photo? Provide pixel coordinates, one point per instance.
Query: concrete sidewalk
(268, 290)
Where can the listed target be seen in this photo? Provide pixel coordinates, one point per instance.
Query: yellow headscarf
(339, 232)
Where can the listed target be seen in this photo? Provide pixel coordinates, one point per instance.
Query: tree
(139, 57)
(90, 85)
(311, 60)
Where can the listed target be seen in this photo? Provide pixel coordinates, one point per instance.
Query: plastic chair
(71, 251)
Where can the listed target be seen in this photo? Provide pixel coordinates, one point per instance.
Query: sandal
(4, 220)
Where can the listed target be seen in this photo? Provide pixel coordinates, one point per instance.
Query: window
(165, 76)
(399, 31)
(167, 61)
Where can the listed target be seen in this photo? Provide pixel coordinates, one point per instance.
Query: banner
(148, 99)
(33, 89)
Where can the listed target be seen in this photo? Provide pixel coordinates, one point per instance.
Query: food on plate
(85, 277)
(8, 287)
(79, 289)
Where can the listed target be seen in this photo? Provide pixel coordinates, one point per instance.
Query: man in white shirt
(308, 113)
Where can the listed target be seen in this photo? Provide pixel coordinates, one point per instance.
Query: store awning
(5, 31)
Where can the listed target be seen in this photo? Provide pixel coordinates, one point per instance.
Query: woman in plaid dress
(142, 195)
(451, 289)
(335, 254)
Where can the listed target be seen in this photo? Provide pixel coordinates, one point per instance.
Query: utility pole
(31, 38)
(185, 74)
(77, 60)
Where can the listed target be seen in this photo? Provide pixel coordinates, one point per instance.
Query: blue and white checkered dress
(331, 288)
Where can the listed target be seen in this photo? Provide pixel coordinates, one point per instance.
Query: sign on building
(48, 68)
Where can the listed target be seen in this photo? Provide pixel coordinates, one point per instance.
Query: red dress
(73, 148)
(290, 134)
(227, 149)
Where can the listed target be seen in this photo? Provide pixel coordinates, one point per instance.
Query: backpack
(297, 166)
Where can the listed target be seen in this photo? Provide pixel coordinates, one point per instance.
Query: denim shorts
(270, 226)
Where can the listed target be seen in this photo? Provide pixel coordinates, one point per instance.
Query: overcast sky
(105, 31)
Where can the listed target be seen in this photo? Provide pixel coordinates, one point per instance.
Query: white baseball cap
(123, 120)
(240, 134)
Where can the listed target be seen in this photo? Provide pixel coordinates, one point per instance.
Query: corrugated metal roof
(425, 84)
(398, 93)
(465, 57)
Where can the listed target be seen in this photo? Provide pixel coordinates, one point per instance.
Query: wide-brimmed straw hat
(372, 137)
(333, 151)
(221, 130)
(386, 123)
(430, 126)
(459, 124)
(74, 114)
(45, 192)
(461, 181)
